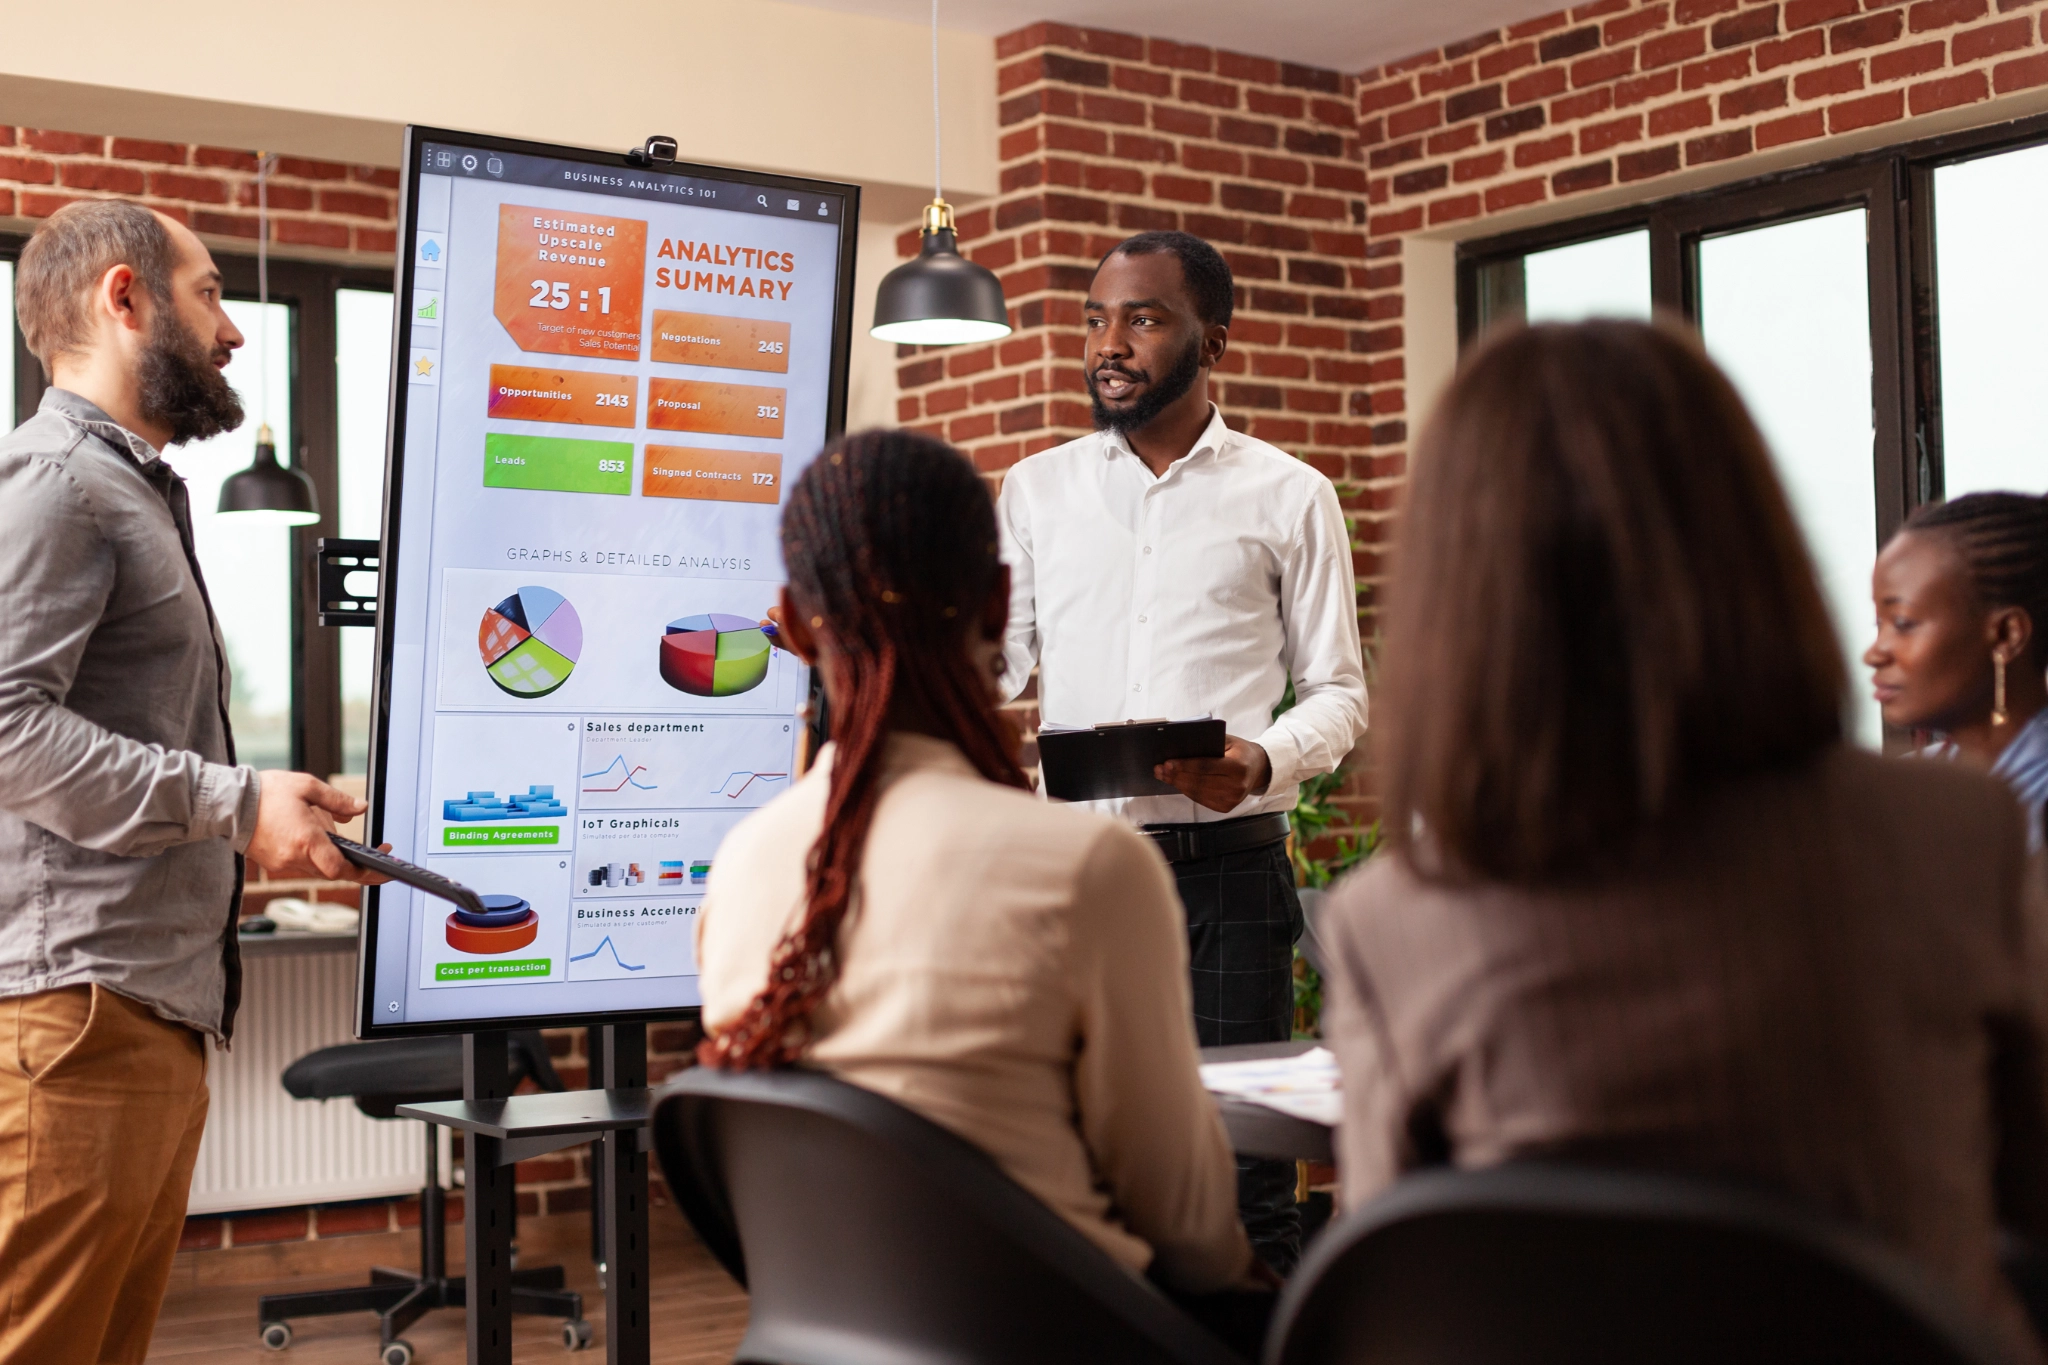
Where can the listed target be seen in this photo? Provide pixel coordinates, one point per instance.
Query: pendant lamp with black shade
(267, 492)
(940, 298)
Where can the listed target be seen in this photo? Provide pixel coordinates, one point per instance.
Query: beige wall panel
(753, 83)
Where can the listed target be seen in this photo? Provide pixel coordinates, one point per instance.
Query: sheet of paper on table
(1304, 1086)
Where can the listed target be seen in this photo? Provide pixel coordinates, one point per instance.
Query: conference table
(1256, 1130)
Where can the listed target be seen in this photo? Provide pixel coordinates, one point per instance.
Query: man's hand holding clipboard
(1191, 758)
(1220, 784)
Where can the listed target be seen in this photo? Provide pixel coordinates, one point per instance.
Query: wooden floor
(699, 1316)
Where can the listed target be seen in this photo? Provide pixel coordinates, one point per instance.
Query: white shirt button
(1148, 549)
(1137, 687)
(1143, 619)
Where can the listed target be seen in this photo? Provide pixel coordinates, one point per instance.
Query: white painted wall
(755, 83)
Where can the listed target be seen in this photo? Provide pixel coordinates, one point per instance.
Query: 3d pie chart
(714, 655)
(530, 642)
(507, 924)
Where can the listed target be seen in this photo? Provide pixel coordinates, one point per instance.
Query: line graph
(602, 944)
(725, 788)
(685, 761)
(627, 777)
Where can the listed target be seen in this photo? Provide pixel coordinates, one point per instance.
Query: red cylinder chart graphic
(714, 655)
(506, 925)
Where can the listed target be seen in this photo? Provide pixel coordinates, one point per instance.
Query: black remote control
(399, 870)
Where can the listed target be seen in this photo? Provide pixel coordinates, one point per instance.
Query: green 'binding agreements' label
(500, 836)
(493, 971)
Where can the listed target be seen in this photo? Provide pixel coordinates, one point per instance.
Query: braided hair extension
(890, 539)
(2002, 539)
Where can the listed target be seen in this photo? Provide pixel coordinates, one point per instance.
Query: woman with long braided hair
(911, 919)
(1962, 636)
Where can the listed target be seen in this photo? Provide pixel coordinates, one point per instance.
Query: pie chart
(530, 642)
(714, 655)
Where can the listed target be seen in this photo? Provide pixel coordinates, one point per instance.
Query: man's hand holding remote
(295, 812)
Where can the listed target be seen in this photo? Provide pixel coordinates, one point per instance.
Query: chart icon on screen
(714, 655)
(530, 642)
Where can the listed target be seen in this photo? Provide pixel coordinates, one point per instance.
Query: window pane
(1786, 311)
(362, 364)
(1992, 296)
(1606, 277)
(7, 347)
(248, 567)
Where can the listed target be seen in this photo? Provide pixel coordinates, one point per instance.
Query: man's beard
(1156, 399)
(182, 389)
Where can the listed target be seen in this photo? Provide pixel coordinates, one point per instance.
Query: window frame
(308, 288)
(1896, 186)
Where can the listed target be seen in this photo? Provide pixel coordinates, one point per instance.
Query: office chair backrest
(866, 1233)
(386, 1072)
(1533, 1264)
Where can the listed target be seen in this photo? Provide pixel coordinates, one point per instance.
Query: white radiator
(264, 1149)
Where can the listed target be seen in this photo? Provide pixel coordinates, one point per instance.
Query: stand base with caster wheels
(400, 1298)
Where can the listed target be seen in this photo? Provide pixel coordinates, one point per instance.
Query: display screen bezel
(391, 551)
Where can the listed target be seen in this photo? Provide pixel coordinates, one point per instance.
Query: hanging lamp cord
(938, 177)
(264, 162)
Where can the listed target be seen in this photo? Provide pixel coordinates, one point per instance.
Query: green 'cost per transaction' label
(493, 971)
(557, 464)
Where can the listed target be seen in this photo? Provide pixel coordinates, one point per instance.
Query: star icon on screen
(424, 365)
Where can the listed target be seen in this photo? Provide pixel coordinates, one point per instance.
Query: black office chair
(865, 1232)
(379, 1076)
(1551, 1265)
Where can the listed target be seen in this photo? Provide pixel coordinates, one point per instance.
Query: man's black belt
(1193, 843)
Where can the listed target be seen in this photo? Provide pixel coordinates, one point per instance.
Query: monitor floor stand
(500, 1130)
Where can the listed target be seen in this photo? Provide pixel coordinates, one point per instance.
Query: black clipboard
(1117, 759)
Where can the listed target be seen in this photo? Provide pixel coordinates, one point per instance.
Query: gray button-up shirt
(122, 813)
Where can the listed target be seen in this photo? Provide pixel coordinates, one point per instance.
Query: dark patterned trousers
(1243, 919)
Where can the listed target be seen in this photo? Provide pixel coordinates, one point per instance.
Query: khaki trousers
(101, 1108)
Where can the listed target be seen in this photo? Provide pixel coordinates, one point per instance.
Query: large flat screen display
(606, 378)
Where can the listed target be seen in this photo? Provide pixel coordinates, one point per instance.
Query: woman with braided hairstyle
(909, 918)
(1962, 636)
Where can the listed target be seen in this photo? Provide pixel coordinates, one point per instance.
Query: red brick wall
(1627, 93)
(313, 204)
(1106, 134)
(1622, 93)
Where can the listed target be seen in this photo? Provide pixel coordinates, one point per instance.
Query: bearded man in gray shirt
(124, 818)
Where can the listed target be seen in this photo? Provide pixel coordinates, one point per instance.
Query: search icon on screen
(762, 200)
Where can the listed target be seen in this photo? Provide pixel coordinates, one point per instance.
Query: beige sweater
(1016, 972)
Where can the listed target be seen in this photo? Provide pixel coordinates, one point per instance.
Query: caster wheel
(397, 1352)
(277, 1335)
(575, 1334)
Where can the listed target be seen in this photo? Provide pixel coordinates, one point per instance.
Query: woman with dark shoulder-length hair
(1644, 906)
(911, 919)
(1962, 636)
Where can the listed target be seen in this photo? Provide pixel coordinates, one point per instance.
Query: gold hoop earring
(1998, 716)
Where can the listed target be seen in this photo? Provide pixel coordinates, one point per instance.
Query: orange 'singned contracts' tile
(526, 394)
(715, 409)
(712, 475)
(730, 343)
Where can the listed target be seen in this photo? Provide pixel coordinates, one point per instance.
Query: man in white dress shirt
(1169, 566)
